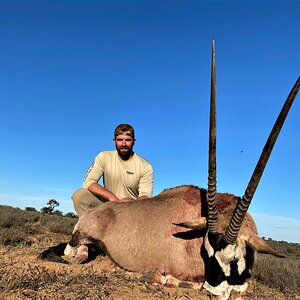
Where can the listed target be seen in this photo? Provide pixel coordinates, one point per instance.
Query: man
(126, 175)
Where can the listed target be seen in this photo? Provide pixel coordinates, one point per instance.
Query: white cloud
(278, 228)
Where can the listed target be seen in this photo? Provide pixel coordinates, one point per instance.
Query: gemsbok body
(185, 236)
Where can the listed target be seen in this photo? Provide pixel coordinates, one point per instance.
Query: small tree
(70, 215)
(30, 209)
(57, 213)
(49, 209)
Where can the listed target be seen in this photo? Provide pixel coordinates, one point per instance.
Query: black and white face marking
(227, 267)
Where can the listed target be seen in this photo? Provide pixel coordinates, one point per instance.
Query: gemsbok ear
(261, 246)
(199, 223)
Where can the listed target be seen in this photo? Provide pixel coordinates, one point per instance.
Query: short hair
(124, 129)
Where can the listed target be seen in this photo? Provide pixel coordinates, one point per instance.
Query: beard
(125, 152)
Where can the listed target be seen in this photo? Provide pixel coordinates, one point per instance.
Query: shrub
(18, 226)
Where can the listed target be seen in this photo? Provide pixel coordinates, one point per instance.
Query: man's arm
(90, 182)
(102, 193)
(146, 183)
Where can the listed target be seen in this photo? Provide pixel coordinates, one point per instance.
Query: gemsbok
(184, 236)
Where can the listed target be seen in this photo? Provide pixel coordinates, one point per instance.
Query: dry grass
(18, 226)
(282, 274)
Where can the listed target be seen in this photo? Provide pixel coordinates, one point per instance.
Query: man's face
(124, 145)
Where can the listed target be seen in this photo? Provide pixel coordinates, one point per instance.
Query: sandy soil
(24, 276)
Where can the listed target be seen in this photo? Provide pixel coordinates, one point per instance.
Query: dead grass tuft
(17, 226)
(280, 273)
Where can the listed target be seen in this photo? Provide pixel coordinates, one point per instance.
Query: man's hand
(142, 197)
(124, 200)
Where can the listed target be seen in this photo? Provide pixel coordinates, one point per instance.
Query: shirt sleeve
(146, 182)
(95, 172)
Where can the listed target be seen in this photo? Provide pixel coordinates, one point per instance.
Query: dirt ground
(24, 276)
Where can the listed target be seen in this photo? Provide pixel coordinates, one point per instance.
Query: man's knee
(79, 201)
(78, 195)
(84, 200)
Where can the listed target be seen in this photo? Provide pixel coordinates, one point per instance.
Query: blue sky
(72, 70)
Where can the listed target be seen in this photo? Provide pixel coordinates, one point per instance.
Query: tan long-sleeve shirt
(130, 178)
